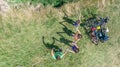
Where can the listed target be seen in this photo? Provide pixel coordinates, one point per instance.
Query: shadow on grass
(50, 45)
(64, 40)
(68, 20)
(66, 31)
(60, 3)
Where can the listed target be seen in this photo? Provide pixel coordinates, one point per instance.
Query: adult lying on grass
(57, 53)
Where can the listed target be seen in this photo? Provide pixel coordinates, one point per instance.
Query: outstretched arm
(70, 51)
(78, 31)
(65, 52)
(76, 45)
(52, 52)
(77, 41)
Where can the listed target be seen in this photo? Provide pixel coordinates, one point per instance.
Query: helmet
(98, 27)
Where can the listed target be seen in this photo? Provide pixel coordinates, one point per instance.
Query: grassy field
(21, 43)
(54, 3)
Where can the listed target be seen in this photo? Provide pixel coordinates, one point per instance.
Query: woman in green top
(57, 54)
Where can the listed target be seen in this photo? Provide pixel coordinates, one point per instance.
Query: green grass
(21, 41)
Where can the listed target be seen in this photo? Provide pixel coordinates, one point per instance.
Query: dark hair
(60, 50)
(58, 58)
(57, 50)
(79, 36)
(78, 21)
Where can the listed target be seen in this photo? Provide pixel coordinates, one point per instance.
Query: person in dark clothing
(74, 48)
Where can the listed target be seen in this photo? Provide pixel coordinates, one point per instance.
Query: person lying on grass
(77, 36)
(74, 48)
(77, 23)
(57, 53)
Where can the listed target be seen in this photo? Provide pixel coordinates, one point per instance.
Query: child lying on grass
(77, 36)
(74, 48)
(57, 53)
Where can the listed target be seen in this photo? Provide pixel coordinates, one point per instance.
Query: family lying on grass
(96, 29)
(58, 54)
